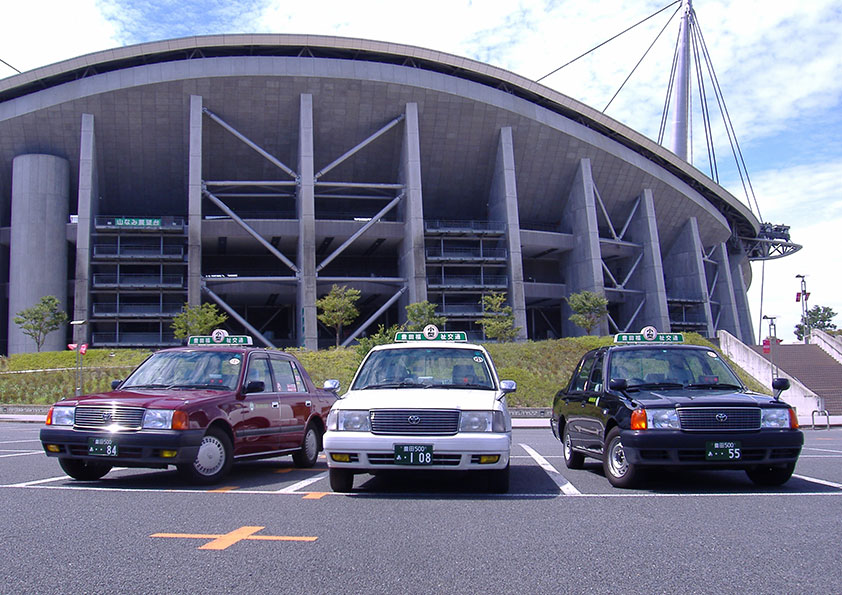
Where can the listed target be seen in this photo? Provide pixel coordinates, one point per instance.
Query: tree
(383, 336)
(338, 308)
(197, 320)
(817, 317)
(41, 319)
(498, 320)
(588, 309)
(420, 314)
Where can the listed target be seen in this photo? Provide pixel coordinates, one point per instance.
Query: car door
(260, 428)
(593, 419)
(295, 401)
(575, 402)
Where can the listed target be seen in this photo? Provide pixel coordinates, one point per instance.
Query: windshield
(188, 370)
(425, 367)
(665, 367)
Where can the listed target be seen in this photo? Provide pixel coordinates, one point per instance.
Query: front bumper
(462, 452)
(141, 448)
(687, 449)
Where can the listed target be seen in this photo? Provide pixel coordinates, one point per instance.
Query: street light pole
(78, 383)
(805, 311)
(773, 340)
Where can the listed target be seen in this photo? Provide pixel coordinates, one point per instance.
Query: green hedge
(540, 369)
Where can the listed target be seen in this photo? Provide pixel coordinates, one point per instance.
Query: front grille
(415, 422)
(98, 417)
(705, 419)
(376, 458)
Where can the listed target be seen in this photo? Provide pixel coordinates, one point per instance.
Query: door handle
(308, 403)
(275, 404)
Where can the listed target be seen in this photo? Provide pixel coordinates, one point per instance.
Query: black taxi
(200, 408)
(651, 402)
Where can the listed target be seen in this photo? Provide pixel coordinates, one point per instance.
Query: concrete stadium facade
(256, 171)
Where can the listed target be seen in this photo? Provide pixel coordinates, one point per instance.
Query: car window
(259, 370)
(582, 375)
(188, 369)
(299, 381)
(675, 366)
(284, 376)
(595, 382)
(425, 366)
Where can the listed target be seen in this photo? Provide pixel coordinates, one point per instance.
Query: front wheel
(771, 475)
(573, 459)
(309, 453)
(618, 470)
(341, 480)
(213, 461)
(84, 470)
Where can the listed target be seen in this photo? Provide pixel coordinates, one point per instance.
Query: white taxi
(429, 401)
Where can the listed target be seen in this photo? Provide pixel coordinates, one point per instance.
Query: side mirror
(332, 385)
(115, 384)
(779, 385)
(508, 386)
(255, 386)
(618, 384)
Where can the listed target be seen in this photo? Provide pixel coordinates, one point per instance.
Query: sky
(779, 65)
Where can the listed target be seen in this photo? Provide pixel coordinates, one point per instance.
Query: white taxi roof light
(219, 337)
(431, 333)
(648, 335)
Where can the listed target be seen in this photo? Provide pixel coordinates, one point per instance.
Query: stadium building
(257, 171)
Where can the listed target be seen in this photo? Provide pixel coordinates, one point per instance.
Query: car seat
(463, 374)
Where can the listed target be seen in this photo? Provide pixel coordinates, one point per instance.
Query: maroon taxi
(199, 408)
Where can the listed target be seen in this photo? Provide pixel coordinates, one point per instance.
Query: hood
(700, 398)
(419, 398)
(149, 399)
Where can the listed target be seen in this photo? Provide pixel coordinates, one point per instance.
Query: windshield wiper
(649, 385)
(403, 384)
(714, 385)
(198, 386)
(124, 387)
(469, 385)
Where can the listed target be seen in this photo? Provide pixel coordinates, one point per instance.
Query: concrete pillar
(194, 204)
(737, 259)
(685, 273)
(584, 262)
(502, 206)
(87, 210)
(649, 277)
(38, 243)
(723, 293)
(411, 261)
(307, 331)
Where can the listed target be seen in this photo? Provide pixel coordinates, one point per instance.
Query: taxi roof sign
(649, 334)
(431, 333)
(219, 337)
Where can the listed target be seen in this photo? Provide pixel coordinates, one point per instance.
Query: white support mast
(681, 101)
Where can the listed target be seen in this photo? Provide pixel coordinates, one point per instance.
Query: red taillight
(180, 420)
(638, 419)
(793, 419)
(49, 421)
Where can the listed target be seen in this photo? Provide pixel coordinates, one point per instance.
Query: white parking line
(26, 484)
(302, 484)
(21, 454)
(563, 484)
(17, 441)
(819, 481)
(822, 449)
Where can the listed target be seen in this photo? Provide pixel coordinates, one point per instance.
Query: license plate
(102, 447)
(413, 454)
(723, 451)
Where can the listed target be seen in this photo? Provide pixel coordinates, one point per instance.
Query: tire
(573, 459)
(84, 470)
(498, 481)
(771, 475)
(213, 461)
(618, 470)
(341, 480)
(309, 453)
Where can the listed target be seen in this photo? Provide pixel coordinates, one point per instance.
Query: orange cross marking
(315, 495)
(221, 542)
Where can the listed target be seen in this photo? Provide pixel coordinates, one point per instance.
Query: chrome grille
(414, 422)
(719, 418)
(125, 418)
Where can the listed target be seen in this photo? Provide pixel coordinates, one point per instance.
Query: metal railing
(138, 250)
(130, 338)
(138, 280)
(114, 309)
(466, 253)
(469, 280)
(433, 225)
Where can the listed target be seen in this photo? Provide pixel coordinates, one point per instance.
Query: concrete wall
(828, 343)
(38, 244)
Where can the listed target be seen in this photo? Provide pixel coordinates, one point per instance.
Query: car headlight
(350, 420)
(775, 418)
(158, 419)
(482, 421)
(62, 416)
(662, 419)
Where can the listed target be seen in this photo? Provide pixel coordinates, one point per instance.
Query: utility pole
(802, 297)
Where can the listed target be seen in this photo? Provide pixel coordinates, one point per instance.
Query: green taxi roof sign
(219, 337)
(649, 334)
(431, 333)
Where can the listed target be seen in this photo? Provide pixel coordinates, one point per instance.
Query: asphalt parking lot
(272, 526)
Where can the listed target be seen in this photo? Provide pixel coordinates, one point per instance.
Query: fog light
(340, 457)
(488, 459)
(168, 454)
(53, 448)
